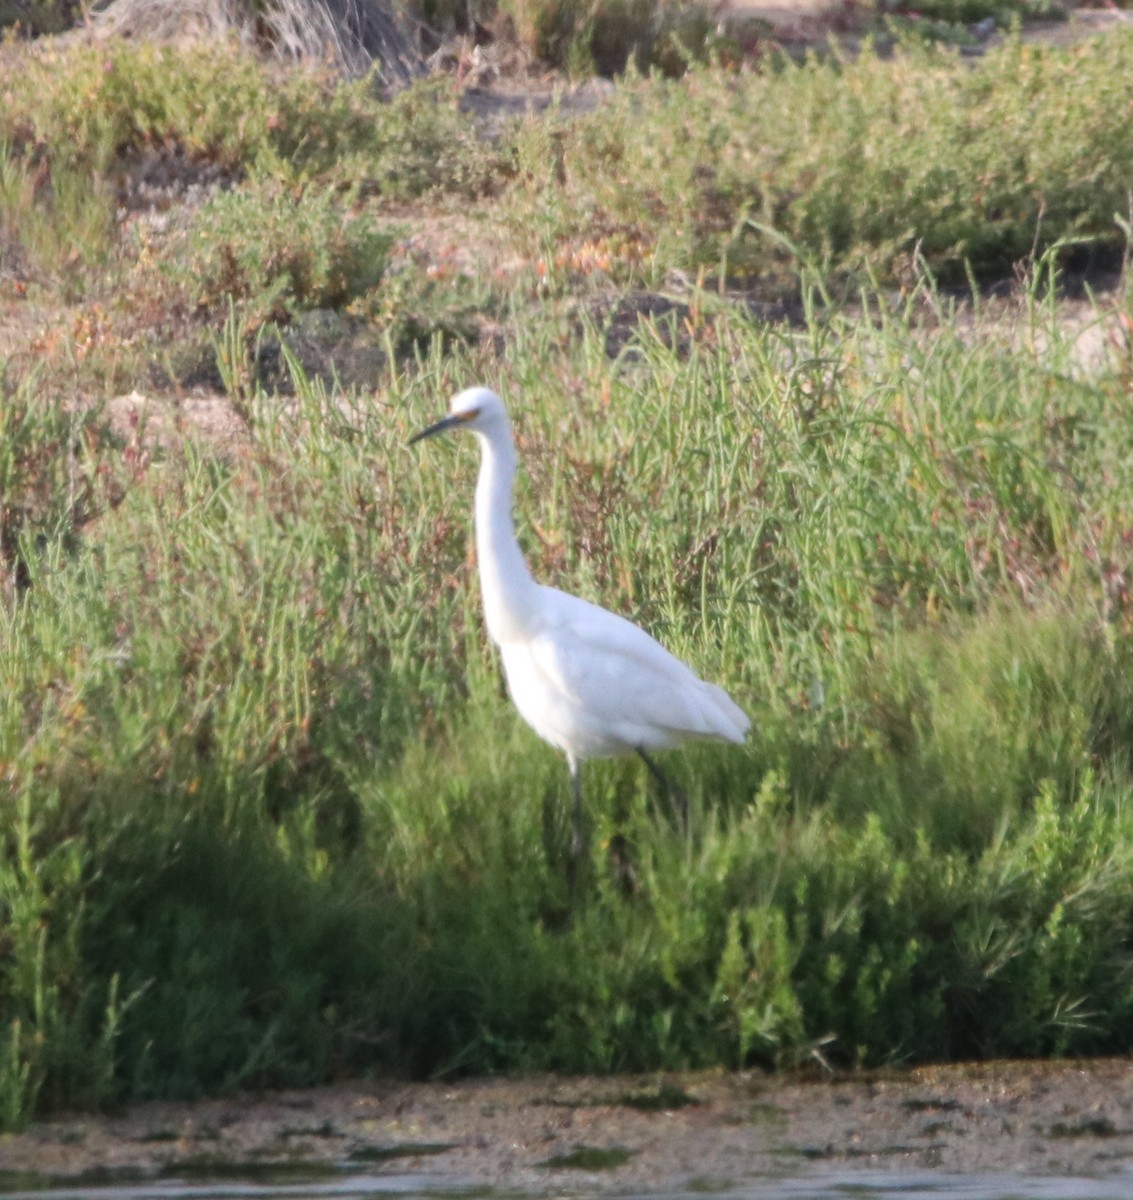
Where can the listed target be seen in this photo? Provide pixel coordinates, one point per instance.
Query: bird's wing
(625, 679)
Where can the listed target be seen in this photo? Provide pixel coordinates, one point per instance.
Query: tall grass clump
(269, 817)
(56, 223)
(607, 36)
(201, 649)
(851, 164)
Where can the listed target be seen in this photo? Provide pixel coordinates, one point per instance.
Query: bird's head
(477, 409)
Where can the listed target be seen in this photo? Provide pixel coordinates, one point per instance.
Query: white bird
(591, 683)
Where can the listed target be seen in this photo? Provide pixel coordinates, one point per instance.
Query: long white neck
(509, 591)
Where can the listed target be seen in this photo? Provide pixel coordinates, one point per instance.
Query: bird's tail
(726, 718)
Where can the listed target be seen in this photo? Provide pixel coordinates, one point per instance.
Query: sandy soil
(679, 1133)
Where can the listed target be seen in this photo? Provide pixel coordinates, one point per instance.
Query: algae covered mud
(997, 1130)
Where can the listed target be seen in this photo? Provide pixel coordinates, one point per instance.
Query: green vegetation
(275, 248)
(267, 817)
(965, 12)
(854, 166)
(35, 17)
(591, 1158)
(608, 35)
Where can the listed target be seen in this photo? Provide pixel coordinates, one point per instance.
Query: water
(822, 1185)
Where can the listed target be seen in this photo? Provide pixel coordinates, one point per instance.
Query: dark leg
(576, 840)
(577, 836)
(677, 795)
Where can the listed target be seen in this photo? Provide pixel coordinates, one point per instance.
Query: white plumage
(586, 680)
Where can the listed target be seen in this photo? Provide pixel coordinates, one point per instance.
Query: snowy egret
(591, 683)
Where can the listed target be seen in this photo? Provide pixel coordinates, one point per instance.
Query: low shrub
(274, 249)
(850, 167)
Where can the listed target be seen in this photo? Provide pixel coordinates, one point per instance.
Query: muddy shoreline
(672, 1133)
